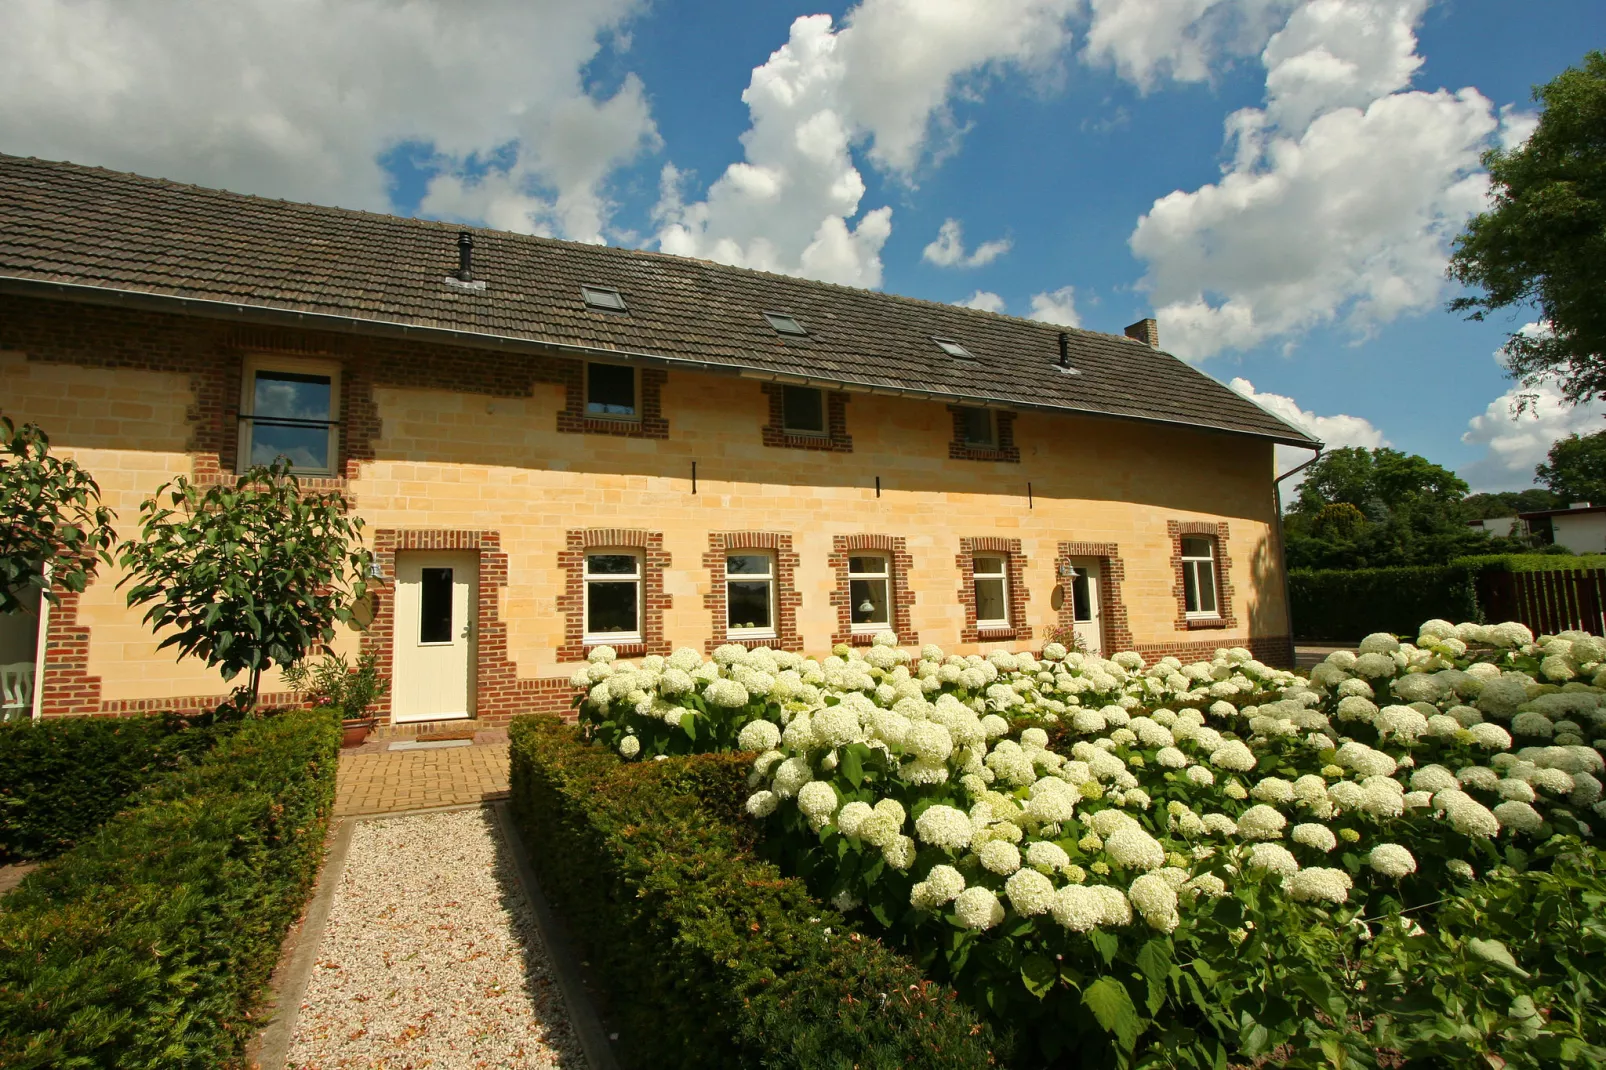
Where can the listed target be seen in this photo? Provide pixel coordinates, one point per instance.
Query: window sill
(624, 648)
(992, 633)
(750, 641)
(960, 451)
(867, 638)
(803, 440)
(1200, 623)
(750, 637)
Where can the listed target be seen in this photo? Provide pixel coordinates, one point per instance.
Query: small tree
(1576, 468)
(51, 519)
(248, 576)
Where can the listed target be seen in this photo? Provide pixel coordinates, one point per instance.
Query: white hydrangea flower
(1479, 777)
(1274, 858)
(1078, 908)
(1220, 825)
(758, 735)
(1029, 892)
(762, 803)
(1261, 822)
(818, 801)
(978, 908)
(1466, 814)
(629, 746)
(1156, 899)
(1400, 721)
(1233, 755)
(1318, 884)
(852, 816)
(899, 852)
(1392, 860)
(1375, 665)
(791, 775)
(944, 826)
(1132, 848)
(1273, 790)
(999, 856)
(1313, 835)
(1517, 816)
(1461, 868)
(1043, 855)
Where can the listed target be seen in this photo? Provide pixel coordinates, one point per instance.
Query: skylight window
(785, 324)
(604, 298)
(954, 349)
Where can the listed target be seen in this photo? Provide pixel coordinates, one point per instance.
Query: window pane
(303, 447)
(978, 426)
(1207, 586)
(290, 419)
(803, 409)
(1195, 547)
(869, 601)
(435, 606)
(1190, 587)
(748, 604)
(292, 397)
(611, 607)
(988, 566)
(747, 565)
(990, 600)
(611, 564)
(610, 390)
(874, 565)
(1081, 599)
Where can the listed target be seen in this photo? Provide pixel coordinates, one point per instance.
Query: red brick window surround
(1216, 533)
(835, 439)
(896, 550)
(1003, 447)
(785, 598)
(1015, 593)
(654, 559)
(649, 421)
(1115, 629)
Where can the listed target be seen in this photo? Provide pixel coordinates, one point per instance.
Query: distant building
(1581, 527)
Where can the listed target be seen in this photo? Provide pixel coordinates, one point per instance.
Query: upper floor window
(803, 410)
(289, 410)
(870, 592)
(978, 428)
(611, 391)
(750, 596)
(1199, 576)
(613, 597)
(991, 579)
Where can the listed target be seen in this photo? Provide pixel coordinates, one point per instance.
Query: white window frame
(885, 576)
(635, 393)
(295, 366)
(977, 577)
(825, 414)
(587, 579)
(766, 631)
(992, 429)
(1191, 570)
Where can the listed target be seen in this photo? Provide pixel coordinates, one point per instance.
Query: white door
(1084, 593)
(437, 597)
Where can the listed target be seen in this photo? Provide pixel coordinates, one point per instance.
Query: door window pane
(977, 427)
(435, 606)
(803, 409)
(290, 418)
(610, 390)
(1081, 598)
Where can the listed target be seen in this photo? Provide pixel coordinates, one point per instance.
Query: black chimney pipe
(465, 257)
(1065, 350)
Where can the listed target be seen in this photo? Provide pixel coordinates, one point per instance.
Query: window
(977, 428)
(288, 410)
(611, 391)
(1081, 598)
(870, 592)
(613, 597)
(785, 324)
(992, 590)
(602, 297)
(1199, 576)
(802, 410)
(954, 349)
(750, 596)
(435, 606)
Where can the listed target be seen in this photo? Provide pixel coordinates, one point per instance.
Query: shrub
(148, 944)
(710, 957)
(336, 683)
(60, 779)
(1351, 603)
(1537, 562)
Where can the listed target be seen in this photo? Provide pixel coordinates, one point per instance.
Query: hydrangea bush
(1179, 862)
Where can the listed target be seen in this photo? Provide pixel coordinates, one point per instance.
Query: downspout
(1282, 544)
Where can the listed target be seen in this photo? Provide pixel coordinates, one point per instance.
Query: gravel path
(431, 958)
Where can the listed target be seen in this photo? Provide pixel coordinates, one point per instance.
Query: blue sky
(1277, 180)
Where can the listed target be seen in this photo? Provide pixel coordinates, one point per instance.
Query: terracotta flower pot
(355, 732)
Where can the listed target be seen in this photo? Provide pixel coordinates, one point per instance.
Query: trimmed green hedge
(62, 778)
(710, 957)
(1349, 604)
(1530, 562)
(148, 945)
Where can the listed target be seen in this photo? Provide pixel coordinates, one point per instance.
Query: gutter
(324, 321)
(1282, 544)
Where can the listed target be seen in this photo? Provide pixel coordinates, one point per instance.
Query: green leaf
(1107, 944)
(1038, 973)
(1493, 951)
(688, 725)
(1107, 999)
(853, 764)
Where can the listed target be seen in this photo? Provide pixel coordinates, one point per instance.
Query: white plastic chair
(16, 691)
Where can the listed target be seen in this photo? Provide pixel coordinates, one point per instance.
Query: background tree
(246, 576)
(1506, 503)
(1543, 244)
(50, 515)
(1576, 471)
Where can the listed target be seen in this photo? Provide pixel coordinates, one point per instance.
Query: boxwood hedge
(60, 779)
(148, 944)
(710, 957)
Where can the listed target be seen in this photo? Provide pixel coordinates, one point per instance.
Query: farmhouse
(556, 446)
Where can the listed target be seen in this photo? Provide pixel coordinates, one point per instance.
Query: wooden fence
(1547, 602)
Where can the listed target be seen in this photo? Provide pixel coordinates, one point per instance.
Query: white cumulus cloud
(300, 98)
(1057, 306)
(947, 249)
(884, 80)
(1145, 40)
(985, 300)
(1515, 442)
(1341, 197)
(1336, 431)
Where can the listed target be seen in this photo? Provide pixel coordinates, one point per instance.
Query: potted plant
(350, 689)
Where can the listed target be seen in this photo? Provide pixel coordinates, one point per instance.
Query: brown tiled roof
(95, 234)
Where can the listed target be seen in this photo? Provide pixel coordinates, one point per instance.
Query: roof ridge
(618, 250)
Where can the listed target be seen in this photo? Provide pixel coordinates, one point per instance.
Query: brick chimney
(1146, 331)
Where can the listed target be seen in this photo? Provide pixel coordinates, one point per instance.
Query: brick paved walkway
(385, 781)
